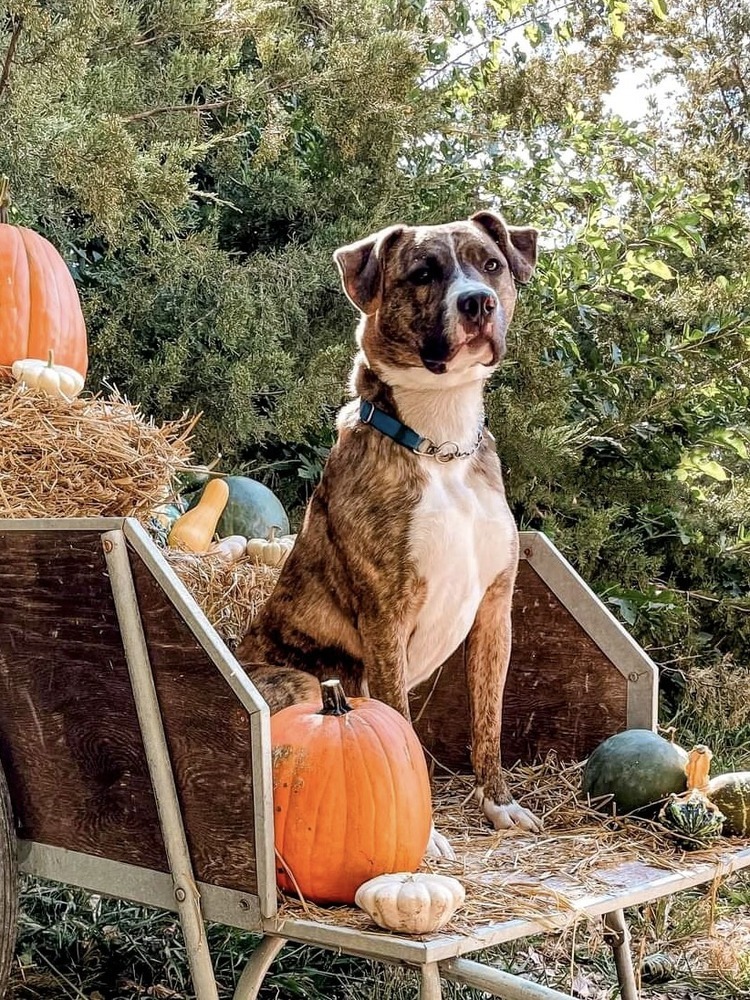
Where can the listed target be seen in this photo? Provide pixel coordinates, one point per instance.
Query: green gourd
(638, 769)
(731, 793)
(692, 819)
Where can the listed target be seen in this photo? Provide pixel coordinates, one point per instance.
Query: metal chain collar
(449, 450)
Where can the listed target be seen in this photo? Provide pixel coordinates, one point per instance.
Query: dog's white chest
(461, 537)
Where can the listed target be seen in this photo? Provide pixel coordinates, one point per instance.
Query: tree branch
(12, 45)
(168, 108)
(486, 41)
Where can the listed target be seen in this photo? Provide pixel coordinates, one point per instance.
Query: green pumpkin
(252, 510)
(731, 794)
(637, 768)
(693, 819)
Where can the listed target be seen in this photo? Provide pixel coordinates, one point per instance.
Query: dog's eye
(493, 264)
(423, 276)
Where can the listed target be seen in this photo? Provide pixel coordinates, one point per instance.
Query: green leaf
(711, 468)
(533, 33)
(659, 8)
(657, 267)
(616, 24)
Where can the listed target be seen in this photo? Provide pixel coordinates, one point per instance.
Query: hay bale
(90, 457)
(229, 594)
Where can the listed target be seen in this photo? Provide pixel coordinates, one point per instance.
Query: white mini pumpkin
(230, 548)
(47, 377)
(271, 551)
(411, 903)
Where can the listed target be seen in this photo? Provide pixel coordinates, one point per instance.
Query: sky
(629, 99)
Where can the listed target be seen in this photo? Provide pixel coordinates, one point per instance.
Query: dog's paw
(511, 816)
(439, 846)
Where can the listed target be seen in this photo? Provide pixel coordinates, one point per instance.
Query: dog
(408, 546)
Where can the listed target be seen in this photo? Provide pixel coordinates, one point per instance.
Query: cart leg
(618, 938)
(257, 966)
(430, 987)
(159, 765)
(498, 983)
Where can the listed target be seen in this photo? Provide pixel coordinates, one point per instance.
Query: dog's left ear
(360, 265)
(518, 243)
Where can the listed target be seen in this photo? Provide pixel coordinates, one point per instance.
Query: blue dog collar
(397, 431)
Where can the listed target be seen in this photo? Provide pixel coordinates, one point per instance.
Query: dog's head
(437, 300)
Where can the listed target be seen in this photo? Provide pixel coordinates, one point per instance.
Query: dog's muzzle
(476, 307)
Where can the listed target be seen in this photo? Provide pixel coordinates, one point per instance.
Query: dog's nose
(476, 306)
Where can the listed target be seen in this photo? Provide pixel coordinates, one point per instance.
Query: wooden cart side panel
(210, 742)
(69, 737)
(563, 693)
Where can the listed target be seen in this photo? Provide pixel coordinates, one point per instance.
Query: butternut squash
(194, 530)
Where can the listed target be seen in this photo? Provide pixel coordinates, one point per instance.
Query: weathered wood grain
(69, 737)
(208, 733)
(562, 693)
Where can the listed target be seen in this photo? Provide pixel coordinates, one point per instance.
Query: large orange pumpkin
(39, 306)
(351, 795)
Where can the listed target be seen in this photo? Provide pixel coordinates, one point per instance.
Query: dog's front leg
(384, 659)
(487, 659)
(384, 641)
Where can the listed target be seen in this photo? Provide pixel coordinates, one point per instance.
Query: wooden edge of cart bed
(240, 910)
(635, 665)
(654, 884)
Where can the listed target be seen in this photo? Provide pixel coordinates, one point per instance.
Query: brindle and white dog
(405, 554)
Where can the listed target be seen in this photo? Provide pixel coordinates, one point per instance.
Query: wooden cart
(137, 756)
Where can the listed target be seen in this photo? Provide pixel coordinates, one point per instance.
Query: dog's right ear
(360, 265)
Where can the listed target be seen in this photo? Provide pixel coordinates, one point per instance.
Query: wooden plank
(234, 675)
(141, 885)
(236, 909)
(563, 693)
(69, 738)
(363, 944)
(210, 742)
(87, 524)
(187, 607)
(649, 884)
(600, 624)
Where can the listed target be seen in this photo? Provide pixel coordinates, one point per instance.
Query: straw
(229, 594)
(88, 457)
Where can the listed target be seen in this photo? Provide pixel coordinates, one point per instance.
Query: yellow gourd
(195, 529)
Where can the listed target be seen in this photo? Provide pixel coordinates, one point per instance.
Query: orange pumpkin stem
(334, 699)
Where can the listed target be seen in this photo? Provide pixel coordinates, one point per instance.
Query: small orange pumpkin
(39, 306)
(351, 795)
